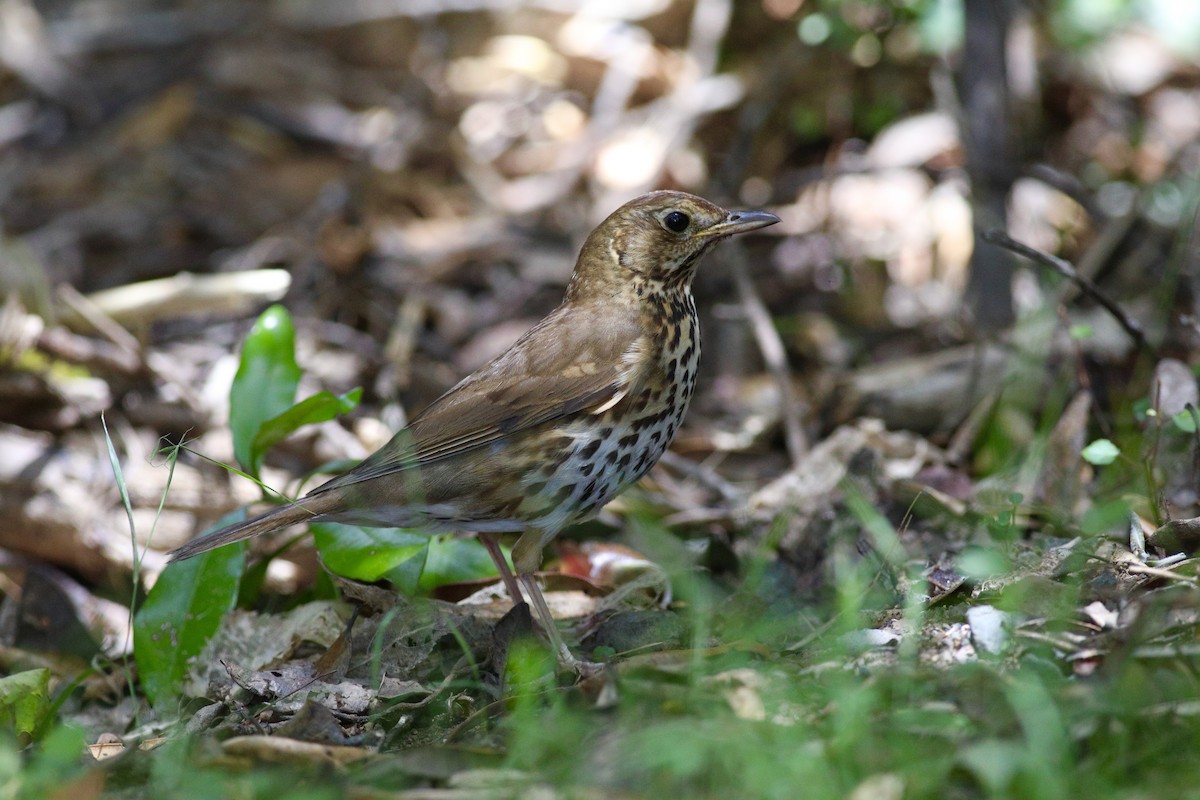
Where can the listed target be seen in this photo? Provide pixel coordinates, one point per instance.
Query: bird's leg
(527, 556)
(510, 583)
(561, 651)
(534, 593)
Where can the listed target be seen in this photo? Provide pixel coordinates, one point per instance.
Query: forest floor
(888, 556)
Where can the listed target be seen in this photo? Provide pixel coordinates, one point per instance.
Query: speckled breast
(616, 448)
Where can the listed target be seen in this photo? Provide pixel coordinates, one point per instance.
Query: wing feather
(567, 364)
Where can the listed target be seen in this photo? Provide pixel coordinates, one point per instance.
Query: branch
(1068, 271)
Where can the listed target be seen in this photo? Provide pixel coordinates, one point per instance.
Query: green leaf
(25, 701)
(452, 559)
(371, 554)
(406, 577)
(265, 384)
(1185, 420)
(321, 407)
(180, 615)
(1101, 452)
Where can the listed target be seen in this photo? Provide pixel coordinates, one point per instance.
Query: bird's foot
(582, 669)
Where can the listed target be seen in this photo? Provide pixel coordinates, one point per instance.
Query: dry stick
(104, 324)
(1069, 185)
(773, 353)
(99, 320)
(1155, 572)
(702, 474)
(1064, 268)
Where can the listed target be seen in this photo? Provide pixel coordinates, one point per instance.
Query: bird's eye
(676, 221)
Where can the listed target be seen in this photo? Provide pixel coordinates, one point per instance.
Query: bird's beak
(739, 222)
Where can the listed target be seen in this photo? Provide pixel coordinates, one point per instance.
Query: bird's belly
(610, 452)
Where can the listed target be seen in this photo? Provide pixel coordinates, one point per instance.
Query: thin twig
(1165, 574)
(1067, 270)
(754, 116)
(156, 363)
(702, 474)
(773, 352)
(1069, 185)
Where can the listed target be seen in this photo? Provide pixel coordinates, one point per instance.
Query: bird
(577, 409)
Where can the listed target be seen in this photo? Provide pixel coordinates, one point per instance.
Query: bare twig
(1069, 185)
(1155, 572)
(158, 365)
(754, 115)
(142, 303)
(773, 353)
(1067, 270)
(704, 475)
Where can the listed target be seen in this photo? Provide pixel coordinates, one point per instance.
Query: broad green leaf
(1101, 452)
(371, 554)
(180, 615)
(406, 576)
(25, 701)
(453, 559)
(1185, 420)
(265, 384)
(321, 407)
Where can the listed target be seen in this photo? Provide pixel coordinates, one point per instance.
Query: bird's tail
(303, 510)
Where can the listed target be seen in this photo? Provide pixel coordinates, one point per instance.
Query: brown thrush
(547, 433)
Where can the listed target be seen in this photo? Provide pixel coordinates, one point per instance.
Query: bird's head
(657, 240)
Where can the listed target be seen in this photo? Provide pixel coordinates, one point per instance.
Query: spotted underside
(616, 447)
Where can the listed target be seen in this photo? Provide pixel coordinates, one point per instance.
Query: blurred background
(412, 181)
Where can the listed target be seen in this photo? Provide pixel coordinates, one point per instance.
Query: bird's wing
(589, 359)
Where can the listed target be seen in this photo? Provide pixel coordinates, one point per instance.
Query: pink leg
(510, 583)
(540, 609)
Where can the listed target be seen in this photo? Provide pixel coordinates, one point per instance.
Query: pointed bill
(739, 222)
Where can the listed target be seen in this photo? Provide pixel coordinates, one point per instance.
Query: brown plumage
(578, 408)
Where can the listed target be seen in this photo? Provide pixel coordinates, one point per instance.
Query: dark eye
(676, 221)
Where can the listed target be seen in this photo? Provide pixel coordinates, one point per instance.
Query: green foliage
(44, 770)
(371, 554)
(936, 25)
(175, 772)
(1081, 331)
(25, 702)
(265, 384)
(1079, 23)
(412, 562)
(180, 615)
(186, 605)
(1101, 452)
(452, 559)
(734, 725)
(320, 407)
(1185, 420)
